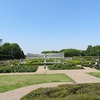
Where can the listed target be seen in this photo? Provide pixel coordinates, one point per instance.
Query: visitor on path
(45, 67)
(97, 65)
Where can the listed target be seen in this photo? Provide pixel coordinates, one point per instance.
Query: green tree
(6, 48)
(93, 50)
(82, 53)
(88, 50)
(0, 41)
(70, 52)
(12, 49)
(52, 51)
(16, 51)
(1, 50)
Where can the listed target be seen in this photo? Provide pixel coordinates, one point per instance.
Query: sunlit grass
(96, 74)
(10, 82)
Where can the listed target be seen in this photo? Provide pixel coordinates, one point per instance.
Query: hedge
(66, 92)
(17, 68)
(64, 66)
(6, 57)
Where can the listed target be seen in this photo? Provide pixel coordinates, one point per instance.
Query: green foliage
(66, 92)
(34, 61)
(70, 52)
(50, 60)
(40, 61)
(90, 51)
(6, 57)
(64, 66)
(6, 48)
(17, 68)
(93, 50)
(16, 51)
(53, 51)
(96, 74)
(88, 63)
(76, 62)
(88, 58)
(11, 49)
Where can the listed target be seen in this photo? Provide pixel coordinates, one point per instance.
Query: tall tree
(16, 51)
(52, 51)
(71, 52)
(93, 50)
(88, 50)
(12, 49)
(0, 41)
(6, 48)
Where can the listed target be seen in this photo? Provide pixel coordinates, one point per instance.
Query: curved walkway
(79, 76)
(19, 93)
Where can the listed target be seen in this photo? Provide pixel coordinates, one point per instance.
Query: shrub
(34, 61)
(66, 92)
(88, 64)
(18, 68)
(64, 66)
(76, 62)
(6, 57)
(50, 60)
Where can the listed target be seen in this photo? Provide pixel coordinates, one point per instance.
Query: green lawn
(96, 74)
(10, 82)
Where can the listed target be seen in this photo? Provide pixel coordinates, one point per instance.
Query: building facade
(47, 55)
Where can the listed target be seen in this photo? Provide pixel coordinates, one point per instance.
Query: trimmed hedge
(34, 61)
(17, 68)
(6, 57)
(64, 66)
(90, 58)
(77, 62)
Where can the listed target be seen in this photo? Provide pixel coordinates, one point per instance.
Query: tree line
(90, 51)
(53, 51)
(11, 51)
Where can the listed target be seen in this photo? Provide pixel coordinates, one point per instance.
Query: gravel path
(79, 76)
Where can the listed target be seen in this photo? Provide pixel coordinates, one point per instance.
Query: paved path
(82, 76)
(18, 93)
(79, 76)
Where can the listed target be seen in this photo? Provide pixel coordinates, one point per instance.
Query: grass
(96, 74)
(10, 82)
(66, 92)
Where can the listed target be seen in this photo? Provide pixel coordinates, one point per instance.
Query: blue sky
(38, 25)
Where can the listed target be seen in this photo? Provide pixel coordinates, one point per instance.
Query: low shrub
(88, 63)
(66, 92)
(64, 66)
(6, 57)
(34, 61)
(50, 60)
(18, 68)
(76, 62)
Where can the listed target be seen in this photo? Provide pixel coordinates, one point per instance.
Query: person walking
(45, 68)
(97, 65)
